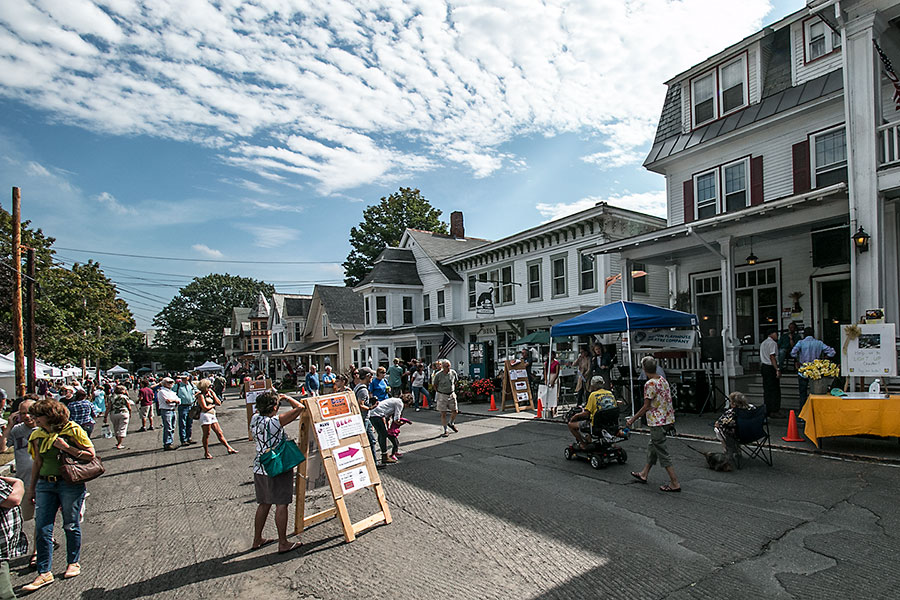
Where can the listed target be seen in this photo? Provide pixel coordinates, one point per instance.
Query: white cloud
(653, 203)
(272, 236)
(346, 93)
(109, 202)
(207, 251)
(277, 206)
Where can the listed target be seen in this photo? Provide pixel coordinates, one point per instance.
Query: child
(390, 408)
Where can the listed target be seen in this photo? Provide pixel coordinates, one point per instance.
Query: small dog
(717, 461)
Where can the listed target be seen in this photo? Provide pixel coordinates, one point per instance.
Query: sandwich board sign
(335, 425)
(252, 389)
(516, 386)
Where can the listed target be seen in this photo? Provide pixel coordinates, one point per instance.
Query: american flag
(889, 72)
(447, 346)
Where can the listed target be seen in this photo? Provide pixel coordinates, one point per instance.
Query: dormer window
(719, 92)
(820, 39)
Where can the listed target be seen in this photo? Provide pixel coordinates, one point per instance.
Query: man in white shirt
(167, 401)
(768, 361)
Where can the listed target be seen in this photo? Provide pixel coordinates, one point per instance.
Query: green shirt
(445, 383)
(50, 465)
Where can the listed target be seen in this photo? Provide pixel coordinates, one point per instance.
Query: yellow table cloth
(828, 416)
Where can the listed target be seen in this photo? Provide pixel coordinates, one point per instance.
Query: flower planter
(821, 386)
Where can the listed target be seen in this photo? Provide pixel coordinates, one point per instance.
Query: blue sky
(260, 130)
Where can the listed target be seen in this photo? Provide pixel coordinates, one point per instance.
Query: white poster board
(872, 354)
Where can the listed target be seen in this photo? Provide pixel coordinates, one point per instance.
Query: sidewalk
(700, 427)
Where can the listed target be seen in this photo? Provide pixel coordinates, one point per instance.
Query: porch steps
(790, 393)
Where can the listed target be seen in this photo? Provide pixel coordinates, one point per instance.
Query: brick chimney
(457, 229)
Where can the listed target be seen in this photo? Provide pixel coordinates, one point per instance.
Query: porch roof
(807, 208)
(298, 348)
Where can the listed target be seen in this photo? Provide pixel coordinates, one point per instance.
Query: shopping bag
(106, 430)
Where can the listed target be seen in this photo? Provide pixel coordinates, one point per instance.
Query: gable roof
(261, 310)
(343, 305)
(393, 266)
(296, 306)
(239, 314)
(439, 246)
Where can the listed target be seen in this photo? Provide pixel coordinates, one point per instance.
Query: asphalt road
(494, 511)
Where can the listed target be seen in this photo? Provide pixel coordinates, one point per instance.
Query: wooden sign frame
(343, 405)
(254, 385)
(509, 387)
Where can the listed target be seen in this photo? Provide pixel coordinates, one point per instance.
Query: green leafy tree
(383, 225)
(190, 326)
(77, 311)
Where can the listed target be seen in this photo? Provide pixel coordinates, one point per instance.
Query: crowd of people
(59, 421)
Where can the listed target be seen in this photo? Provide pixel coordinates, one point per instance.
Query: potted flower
(464, 391)
(821, 374)
(482, 388)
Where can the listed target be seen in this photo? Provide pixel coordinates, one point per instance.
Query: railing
(889, 144)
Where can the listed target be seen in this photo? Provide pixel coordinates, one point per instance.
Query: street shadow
(152, 467)
(207, 571)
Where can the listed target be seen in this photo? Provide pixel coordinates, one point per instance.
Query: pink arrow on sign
(349, 452)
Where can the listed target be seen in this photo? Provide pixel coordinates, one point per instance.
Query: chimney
(457, 229)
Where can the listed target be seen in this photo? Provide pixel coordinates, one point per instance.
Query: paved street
(492, 512)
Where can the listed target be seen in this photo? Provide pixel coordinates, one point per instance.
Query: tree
(77, 311)
(383, 225)
(191, 324)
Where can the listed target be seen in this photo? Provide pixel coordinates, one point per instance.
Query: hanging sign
(484, 298)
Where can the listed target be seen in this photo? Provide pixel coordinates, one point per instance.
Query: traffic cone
(540, 409)
(493, 404)
(424, 401)
(792, 434)
(302, 390)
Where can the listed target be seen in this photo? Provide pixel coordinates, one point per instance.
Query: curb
(690, 436)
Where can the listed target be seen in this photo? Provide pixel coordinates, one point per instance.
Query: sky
(258, 131)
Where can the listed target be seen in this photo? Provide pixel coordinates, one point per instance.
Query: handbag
(194, 412)
(282, 458)
(73, 470)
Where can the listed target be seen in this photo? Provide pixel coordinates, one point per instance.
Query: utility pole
(18, 336)
(31, 348)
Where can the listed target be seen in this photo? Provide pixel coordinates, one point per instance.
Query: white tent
(41, 368)
(209, 366)
(116, 370)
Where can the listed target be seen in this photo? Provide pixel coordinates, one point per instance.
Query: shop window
(535, 289)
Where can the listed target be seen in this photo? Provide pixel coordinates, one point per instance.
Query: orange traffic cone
(792, 434)
(493, 404)
(302, 390)
(424, 401)
(540, 409)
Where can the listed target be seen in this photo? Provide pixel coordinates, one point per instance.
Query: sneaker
(397, 455)
(417, 409)
(453, 427)
(150, 428)
(142, 429)
(40, 581)
(73, 570)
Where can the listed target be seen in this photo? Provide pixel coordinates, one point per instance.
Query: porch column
(673, 284)
(861, 88)
(727, 270)
(627, 283)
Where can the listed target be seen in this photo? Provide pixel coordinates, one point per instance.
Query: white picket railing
(889, 144)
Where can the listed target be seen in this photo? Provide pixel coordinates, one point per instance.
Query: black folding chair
(752, 434)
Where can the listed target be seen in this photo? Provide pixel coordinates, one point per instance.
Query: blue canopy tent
(624, 317)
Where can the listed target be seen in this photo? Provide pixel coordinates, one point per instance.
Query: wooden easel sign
(337, 425)
(516, 386)
(252, 389)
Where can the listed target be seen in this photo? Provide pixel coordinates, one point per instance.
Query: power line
(209, 260)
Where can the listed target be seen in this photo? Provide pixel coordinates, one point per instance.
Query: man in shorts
(145, 405)
(445, 396)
